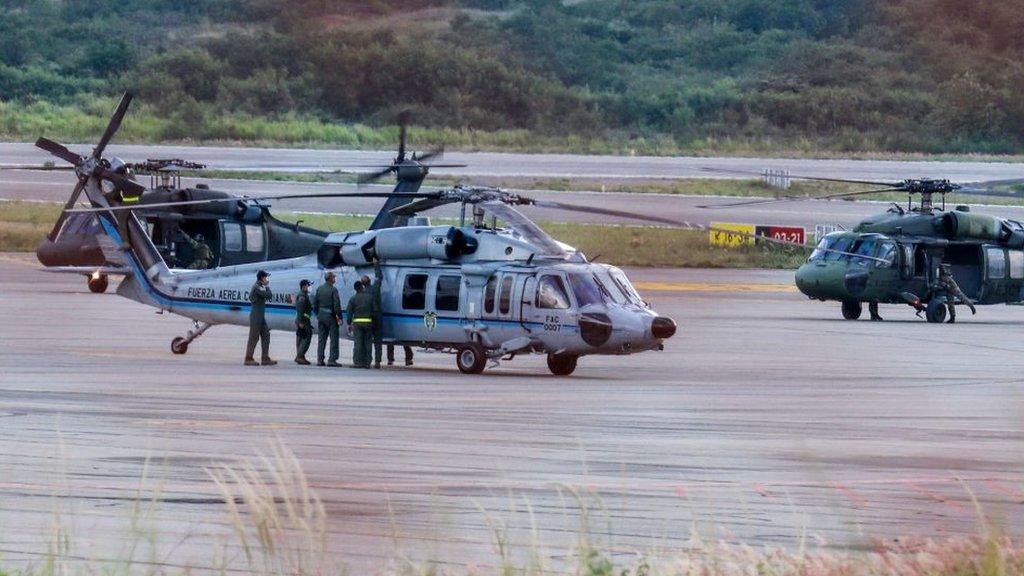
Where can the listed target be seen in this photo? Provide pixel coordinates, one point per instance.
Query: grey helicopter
(481, 291)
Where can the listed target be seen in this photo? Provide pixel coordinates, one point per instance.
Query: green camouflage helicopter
(924, 256)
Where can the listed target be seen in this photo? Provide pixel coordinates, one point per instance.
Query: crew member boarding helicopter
(479, 290)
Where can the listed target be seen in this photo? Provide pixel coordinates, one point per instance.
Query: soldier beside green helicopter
(923, 255)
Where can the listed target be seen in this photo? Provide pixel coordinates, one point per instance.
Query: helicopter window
(232, 234)
(492, 285)
(838, 247)
(585, 289)
(1016, 264)
(864, 248)
(253, 238)
(414, 293)
(551, 294)
(505, 300)
(887, 252)
(820, 251)
(447, 293)
(627, 288)
(996, 263)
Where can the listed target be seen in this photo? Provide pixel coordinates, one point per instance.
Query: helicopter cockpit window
(864, 247)
(838, 247)
(585, 289)
(551, 294)
(887, 254)
(626, 286)
(822, 249)
(492, 286)
(414, 292)
(232, 234)
(253, 238)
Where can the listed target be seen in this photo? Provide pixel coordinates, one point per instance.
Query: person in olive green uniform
(327, 307)
(360, 324)
(259, 331)
(373, 289)
(303, 323)
(202, 256)
(953, 292)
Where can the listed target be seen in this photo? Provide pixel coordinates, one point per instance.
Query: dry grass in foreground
(280, 526)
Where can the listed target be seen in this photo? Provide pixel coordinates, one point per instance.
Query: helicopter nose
(663, 327)
(807, 279)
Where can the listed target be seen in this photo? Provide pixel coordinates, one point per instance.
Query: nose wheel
(562, 364)
(180, 343)
(98, 283)
(852, 309)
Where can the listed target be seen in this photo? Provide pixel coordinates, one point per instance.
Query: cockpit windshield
(624, 286)
(586, 289)
(865, 247)
(822, 248)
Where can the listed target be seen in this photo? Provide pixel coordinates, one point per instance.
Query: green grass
(146, 124)
(24, 224)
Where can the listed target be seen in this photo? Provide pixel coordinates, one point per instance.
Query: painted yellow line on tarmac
(713, 287)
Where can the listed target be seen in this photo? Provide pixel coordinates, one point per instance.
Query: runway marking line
(713, 287)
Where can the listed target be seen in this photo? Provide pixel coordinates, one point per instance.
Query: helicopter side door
(548, 309)
(242, 243)
(502, 306)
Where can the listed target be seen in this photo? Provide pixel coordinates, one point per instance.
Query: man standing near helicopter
(327, 307)
(953, 292)
(259, 330)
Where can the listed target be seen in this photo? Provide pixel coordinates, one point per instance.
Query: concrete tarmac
(767, 420)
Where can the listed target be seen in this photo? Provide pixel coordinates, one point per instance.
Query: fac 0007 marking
(552, 323)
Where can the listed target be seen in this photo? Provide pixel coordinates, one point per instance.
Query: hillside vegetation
(643, 75)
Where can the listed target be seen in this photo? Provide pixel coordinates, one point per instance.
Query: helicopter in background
(236, 230)
(906, 254)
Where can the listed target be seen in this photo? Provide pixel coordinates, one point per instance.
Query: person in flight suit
(360, 325)
(327, 307)
(303, 323)
(202, 256)
(259, 330)
(373, 289)
(954, 293)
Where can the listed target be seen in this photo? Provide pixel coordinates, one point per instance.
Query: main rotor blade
(67, 206)
(991, 183)
(799, 177)
(435, 153)
(403, 123)
(790, 198)
(422, 205)
(59, 150)
(373, 176)
(113, 125)
(606, 212)
(34, 167)
(257, 199)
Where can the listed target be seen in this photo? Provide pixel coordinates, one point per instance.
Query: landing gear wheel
(562, 364)
(852, 309)
(936, 311)
(471, 359)
(179, 345)
(98, 284)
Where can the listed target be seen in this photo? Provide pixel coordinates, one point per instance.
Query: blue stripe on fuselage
(178, 303)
